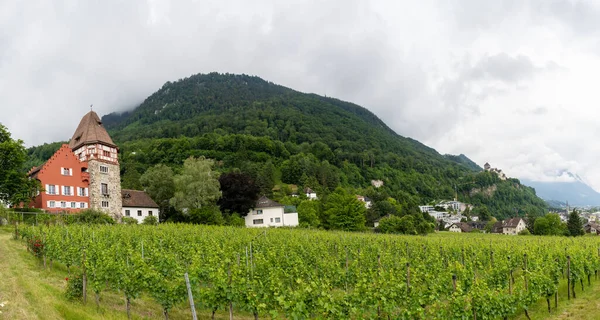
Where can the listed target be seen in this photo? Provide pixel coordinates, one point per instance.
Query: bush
(524, 232)
(129, 220)
(90, 216)
(235, 221)
(150, 220)
(74, 287)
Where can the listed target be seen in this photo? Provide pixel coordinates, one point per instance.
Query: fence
(36, 218)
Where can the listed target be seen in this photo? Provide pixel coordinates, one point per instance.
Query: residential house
(83, 174)
(138, 205)
(268, 213)
(365, 200)
(477, 225)
(460, 227)
(592, 227)
(310, 193)
(513, 226)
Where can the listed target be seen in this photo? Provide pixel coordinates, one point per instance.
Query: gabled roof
(265, 202)
(511, 223)
(90, 130)
(464, 227)
(308, 190)
(497, 227)
(137, 199)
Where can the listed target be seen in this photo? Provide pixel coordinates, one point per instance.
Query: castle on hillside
(488, 167)
(86, 174)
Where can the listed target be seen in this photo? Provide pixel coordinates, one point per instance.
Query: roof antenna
(91, 105)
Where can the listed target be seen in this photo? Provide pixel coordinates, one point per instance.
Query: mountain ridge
(279, 135)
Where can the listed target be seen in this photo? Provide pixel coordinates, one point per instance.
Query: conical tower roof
(89, 131)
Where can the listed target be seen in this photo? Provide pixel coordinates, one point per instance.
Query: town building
(501, 175)
(592, 227)
(365, 200)
(460, 227)
(138, 205)
(310, 193)
(268, 213)
(513, 226)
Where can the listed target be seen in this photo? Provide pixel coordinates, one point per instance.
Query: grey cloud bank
(509, 82)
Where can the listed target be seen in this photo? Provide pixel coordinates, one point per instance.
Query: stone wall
(113, 179)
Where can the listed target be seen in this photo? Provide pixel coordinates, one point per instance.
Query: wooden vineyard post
(190, 296)
(453, 283)
(408, 278)
(568, 277)
(84, 279)
(230, 302)
(525, 261)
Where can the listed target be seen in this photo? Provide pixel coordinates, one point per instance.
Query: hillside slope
(279, 135)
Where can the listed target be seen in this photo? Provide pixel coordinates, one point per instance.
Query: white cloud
(509, 82)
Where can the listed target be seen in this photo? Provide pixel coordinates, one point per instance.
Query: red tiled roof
(137, 199)
(90, 130)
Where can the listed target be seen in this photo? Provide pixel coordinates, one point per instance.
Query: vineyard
(300, 274)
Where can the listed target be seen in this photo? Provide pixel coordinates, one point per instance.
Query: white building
(513, 226)
(138, 205)
(310, 193)
(268, 213)
(365, 200)
(377, 183)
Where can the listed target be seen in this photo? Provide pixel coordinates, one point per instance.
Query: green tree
(197, 185)
(239, 193)
(159, 183)
(550, 225)
(342, 211)
(574, 224)
(308, 213)
(131, 178)
(484, 213)
(12, 158)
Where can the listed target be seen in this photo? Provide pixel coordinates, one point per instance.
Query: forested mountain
(281, 136)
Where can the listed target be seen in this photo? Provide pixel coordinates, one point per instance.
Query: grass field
(28, 291)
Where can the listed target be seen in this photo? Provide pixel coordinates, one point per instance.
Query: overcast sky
(515, 83)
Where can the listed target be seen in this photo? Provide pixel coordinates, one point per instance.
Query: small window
(51, 189)
(66, 172)
(104, 188)
(106, 153)
(73, 205)
(67, 191)
(63, 204)
(257, 221)
(128, 213)
(104, 204)
(82, 205)
(271, 220)
(277, 220)
(139, 213)
(52, 204)
(104, 169)
(259, 212)
(149, 212)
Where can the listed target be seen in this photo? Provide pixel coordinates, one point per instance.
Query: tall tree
(197, 185)
(239, 193)
(12, 158)
(158, 182)
(344, 212)
(574, 224)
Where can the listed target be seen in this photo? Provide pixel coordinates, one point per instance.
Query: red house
(65, 181)
(83, 174)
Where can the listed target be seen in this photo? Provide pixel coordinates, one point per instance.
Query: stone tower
(92, 144)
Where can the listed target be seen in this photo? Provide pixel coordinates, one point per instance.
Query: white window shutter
(70, 171)
(47, 188)
(86, 192)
